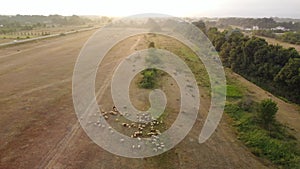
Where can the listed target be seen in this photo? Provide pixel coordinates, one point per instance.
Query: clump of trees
(265, 33)
(290, 37)
(10, 24)
(201, 25)
(272, 67)
(263, 23)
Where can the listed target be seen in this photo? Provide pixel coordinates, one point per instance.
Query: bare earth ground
(284, 44)
(38, 33)
(39, 128)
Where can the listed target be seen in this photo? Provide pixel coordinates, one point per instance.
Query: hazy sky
(211, 8)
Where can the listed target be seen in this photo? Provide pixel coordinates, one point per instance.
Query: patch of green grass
(274, 144)
(278, 151)
(187, 55)
(284, 99)
(233, 91)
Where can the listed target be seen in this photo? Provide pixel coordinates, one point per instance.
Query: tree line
(272, 67)
(40, 19)
(9, 24)
(263, 23)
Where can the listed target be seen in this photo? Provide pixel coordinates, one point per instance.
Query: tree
(267, 111)
(289, 79)
(225, 54)
(201, 25)
(216, 37)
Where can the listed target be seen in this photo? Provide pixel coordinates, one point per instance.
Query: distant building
(1, 26)
(255, 28)
(279, 28)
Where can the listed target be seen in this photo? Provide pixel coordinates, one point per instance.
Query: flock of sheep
(146, 126)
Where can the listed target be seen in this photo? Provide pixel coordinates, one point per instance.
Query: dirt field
(284, 44)
(39, 32)
(39, 128)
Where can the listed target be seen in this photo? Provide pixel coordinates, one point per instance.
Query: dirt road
(39, 128)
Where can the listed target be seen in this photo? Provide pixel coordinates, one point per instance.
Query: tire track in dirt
(52, 157)
(36, 89)
(41, 87)
(56, 152)
(22, 88)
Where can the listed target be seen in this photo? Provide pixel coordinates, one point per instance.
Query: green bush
(267, 110)
(278, 151)
(275, 144)
(151, 45)
(149, 79)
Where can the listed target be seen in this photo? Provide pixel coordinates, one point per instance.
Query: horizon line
(195, 16)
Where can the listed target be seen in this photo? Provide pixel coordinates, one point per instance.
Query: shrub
(246, 104)
(149, 79)
(267, 110)
(151, 45)
(277, 144)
